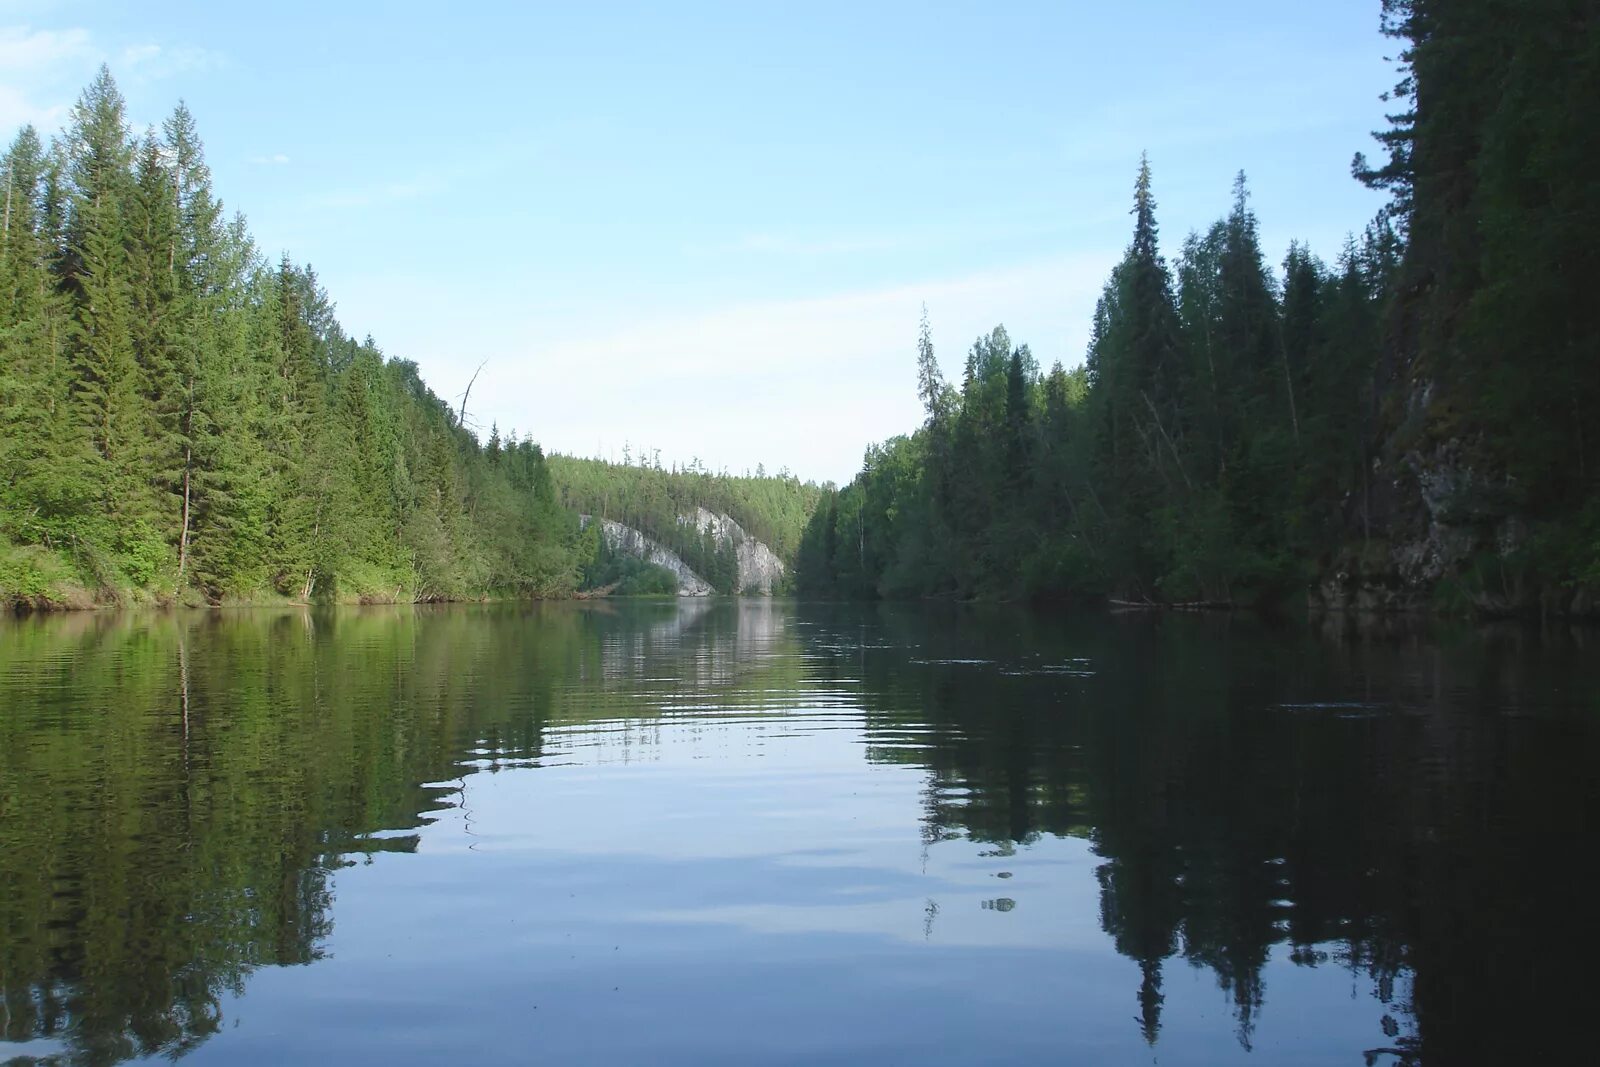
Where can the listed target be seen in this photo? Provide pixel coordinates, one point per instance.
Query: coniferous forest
(1408, 423)
(1402, 422)
(186, 421)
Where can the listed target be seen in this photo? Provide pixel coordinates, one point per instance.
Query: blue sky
(709, 228)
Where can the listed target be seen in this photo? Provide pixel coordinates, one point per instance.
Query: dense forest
(183, 420)
(1407, 425)
(1404, 424)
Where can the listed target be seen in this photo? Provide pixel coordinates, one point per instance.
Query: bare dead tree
(461, 419)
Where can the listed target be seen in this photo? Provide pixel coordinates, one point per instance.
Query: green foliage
(31, 573)
(1221, 440)
(625, 575)
(181, 419)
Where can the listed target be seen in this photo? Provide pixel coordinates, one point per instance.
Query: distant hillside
(664, 504)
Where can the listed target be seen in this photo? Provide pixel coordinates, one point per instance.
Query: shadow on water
(177, 793)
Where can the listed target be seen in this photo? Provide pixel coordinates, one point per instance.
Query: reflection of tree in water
(176, 824)
(1408, 828)
(176, 792)
(175, 795)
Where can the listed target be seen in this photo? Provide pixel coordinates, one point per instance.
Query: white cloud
(134, 55)
(25, 51)
(33, 65)
(18, 110)
(151, 62)
(277, 159)
(43, 71)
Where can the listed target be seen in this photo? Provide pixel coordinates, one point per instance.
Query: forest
(183, 420)
(1405, 426)
(186, 421)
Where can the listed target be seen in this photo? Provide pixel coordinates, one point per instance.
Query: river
(753, 831)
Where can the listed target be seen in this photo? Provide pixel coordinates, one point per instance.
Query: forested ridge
(658, 501)
(1410, 424)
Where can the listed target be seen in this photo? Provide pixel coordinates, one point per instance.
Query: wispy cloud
(140, 53)
(277, 159)
(384, 193)
(43, 70)
(842, 365)
(151, 62)
(815, 244)
(855, 241)
(419, 186)
(17, 109)
(24, 50)
(33, 65)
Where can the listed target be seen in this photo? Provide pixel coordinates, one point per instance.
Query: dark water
(736, 833)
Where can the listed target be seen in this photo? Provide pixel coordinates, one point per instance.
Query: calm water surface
(755, 832)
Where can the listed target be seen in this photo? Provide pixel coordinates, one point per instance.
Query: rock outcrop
(1444, 533)
(631, 542)
(760, 570)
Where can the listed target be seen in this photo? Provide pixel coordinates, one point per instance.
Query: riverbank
(38, 579)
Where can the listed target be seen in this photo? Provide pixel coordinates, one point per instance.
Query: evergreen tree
(1134, 365)
(183, 421)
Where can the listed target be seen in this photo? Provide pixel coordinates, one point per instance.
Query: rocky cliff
(631, 542)
(1441, 530)
(760, 569)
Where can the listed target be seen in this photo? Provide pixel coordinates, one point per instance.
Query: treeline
(1412, 418)
(1192, 457)
(183, 420)
(773, 509)
(621, 574)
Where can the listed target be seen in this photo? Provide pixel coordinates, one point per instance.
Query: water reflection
(1402, 808)
(179, 795)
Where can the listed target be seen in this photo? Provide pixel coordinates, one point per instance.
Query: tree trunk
(183, 536)
(1177, 459)
(177, 209)
(1288, 381)
(461, 419)
(183, 692)
(1577, 426)
(311, 568)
